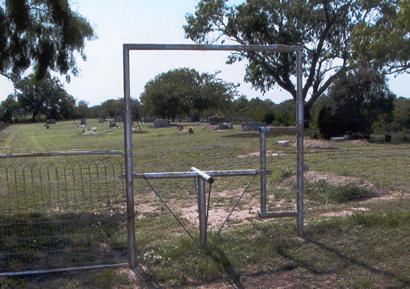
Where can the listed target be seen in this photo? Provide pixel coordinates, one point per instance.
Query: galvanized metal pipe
(129, 167)
(191, 174)
(262, 168)
(202, 212)
(61, 154)
(203, 175)
(299, 144)
(213, 47)
(278, 214)
(61, 270)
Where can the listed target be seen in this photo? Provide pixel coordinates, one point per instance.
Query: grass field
(357, 211)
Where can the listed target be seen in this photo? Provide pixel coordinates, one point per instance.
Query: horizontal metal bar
(59, 270)
(212, 47)
(203, 175)
(171, 175)
(61, 153)
(278, 129)
(278, 214)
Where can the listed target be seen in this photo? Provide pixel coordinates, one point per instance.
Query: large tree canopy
(382, 39)
(185, 92)
(323, 27)
(354, 103)
(41, 34)
(45, 97)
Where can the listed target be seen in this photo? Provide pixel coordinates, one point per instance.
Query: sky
(150, 21)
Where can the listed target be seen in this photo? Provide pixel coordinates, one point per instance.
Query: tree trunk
(34, 116)
(307, 117)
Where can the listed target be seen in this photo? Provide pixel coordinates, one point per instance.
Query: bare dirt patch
(218, 214)
(316, 144)
(344, 213)
(249, 155)
(337, 180)
(221, 204)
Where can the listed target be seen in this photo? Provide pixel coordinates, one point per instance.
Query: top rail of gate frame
(282, 48)
(61, 154)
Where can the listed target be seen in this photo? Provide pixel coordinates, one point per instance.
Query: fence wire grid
(60, 214)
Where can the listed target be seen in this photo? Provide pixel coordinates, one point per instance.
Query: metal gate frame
(129, 166)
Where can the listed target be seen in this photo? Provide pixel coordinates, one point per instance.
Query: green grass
(325, 193)
(365, 250)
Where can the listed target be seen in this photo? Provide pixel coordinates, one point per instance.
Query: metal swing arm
(194, 174)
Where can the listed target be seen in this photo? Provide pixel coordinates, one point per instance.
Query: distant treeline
(237, 110)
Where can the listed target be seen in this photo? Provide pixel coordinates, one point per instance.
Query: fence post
(299, 143)
(262, 168)
(202, 212)
(129, 167)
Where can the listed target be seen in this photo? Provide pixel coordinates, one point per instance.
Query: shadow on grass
(351, 260)
(220, 258)
(243, 135)
(40, 241)
(146, 280)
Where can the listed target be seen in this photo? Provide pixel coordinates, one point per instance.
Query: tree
(324, 28)
(253, 109)
(115, 107)
(354, 103)
(285, 113)
(185, 92)
(42, 35)
(381, 39)
(82, 109)
(46, 96)
(401, 114)
(9, 108)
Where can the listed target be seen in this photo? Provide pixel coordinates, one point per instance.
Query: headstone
(50, 121)
(379, 138)
(283, 142)
(88, 132)
(158, 123)
(83, 121)
(225, 125)
(118, 118)
(252, 125)
(213, 120)
(101, 119)
(339, 138)
(147, 119)
(113, 123)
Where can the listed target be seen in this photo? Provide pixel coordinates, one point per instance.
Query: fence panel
(62, 213)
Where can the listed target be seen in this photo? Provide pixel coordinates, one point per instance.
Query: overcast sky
(149, 21)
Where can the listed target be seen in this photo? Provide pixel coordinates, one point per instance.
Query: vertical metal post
(300, 137)
(202, 212)
(129, 167)
(262, 167)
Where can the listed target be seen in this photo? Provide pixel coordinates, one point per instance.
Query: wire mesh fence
(63, 212)
(60, 213)
(340, 178)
